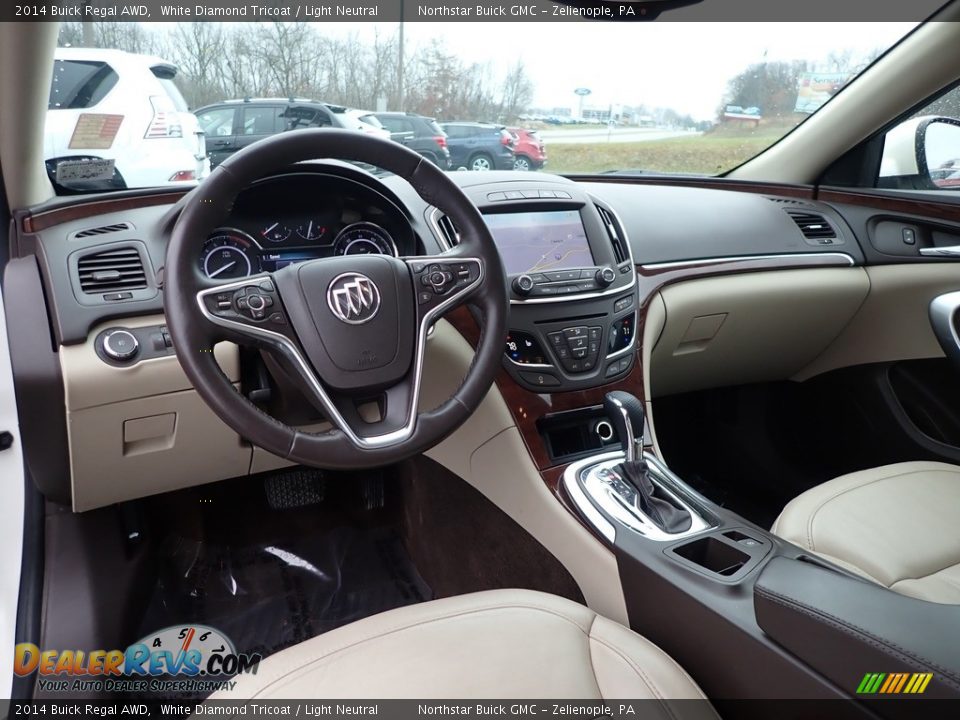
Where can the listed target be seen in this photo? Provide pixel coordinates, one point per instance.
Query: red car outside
(529, 151)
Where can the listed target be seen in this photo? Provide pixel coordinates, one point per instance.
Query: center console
(573, 305)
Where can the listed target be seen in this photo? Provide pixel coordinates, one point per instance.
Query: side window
(79, 84)
(321, 119)
(396, 125)
(923, 152)
(217, 122)
(455, 131)
(261, 120)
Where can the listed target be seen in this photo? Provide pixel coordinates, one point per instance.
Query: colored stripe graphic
(894, 683)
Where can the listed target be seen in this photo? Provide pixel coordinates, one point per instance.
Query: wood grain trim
(892, 204)
(804, 192)
(526, 406)
(35, 222)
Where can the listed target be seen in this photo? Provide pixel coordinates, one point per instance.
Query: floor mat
(270, 595)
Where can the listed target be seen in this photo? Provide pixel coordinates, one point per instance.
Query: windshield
(154, 104)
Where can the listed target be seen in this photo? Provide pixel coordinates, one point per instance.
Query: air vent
(117, 227)
(111, 270)
(813, 226)
(448, 230)
(787, 201)
(619, 243)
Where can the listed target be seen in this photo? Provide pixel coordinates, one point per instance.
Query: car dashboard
(595, 269)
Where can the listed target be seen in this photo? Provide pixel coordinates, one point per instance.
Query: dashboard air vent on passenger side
(448, 230)
(813, 226)
(620, 250)
(111, 270)
(103, 230)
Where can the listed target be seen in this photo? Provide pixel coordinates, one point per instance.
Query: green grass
(708, 154)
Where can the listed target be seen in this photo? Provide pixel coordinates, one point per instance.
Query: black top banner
(853, 11)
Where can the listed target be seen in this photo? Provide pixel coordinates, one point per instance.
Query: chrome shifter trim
(594, 497)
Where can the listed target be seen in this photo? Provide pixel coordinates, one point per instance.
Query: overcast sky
(674, 64)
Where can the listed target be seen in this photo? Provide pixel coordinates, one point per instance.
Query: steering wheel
(349, 329)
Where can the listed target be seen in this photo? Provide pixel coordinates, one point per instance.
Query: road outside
(613, 135)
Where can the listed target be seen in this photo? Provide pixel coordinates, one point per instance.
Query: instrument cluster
(295, 218)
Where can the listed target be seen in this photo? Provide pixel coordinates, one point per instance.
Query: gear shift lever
(627, 416)
(625, 412)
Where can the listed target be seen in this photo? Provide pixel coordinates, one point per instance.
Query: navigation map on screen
(540, 241)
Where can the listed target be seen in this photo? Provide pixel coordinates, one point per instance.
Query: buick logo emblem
(353, 298)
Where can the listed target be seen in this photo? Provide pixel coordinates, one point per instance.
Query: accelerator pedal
(295, 488)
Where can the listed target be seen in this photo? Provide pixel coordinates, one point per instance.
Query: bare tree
(517, 92)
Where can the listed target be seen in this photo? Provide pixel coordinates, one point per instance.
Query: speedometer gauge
(226, 255)
(364, 238)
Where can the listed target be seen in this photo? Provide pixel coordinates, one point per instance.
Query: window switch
(909, 236)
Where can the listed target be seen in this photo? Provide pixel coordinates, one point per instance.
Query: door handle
(943, 251)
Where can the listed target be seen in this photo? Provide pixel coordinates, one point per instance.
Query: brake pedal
(371, 486)
(295, 488)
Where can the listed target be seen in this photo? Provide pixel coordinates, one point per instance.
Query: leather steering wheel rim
(195, 331)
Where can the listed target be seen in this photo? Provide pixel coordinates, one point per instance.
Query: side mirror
(922, 153)
(941, 152)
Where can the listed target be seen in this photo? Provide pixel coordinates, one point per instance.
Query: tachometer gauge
(364, 238)
(276, 232)
(226, 255)
(311, 230)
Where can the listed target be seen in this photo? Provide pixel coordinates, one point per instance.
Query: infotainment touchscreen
(531, 242)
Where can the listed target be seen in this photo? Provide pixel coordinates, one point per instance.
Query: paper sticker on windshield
(95, 131)
(79, 171)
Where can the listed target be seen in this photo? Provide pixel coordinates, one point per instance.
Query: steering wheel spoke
(249, 311)
(443, 282)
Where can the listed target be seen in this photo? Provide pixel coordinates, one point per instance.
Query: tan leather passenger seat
(898, 525)
(507, 644)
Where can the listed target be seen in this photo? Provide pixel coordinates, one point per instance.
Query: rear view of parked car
(362, 120)
(420, 134)
(479, 146)
(529, 152)
(233, 124)
(119, 106)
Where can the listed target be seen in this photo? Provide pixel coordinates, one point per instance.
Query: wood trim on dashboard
(527, 406)
(43, 219)
(883, 202)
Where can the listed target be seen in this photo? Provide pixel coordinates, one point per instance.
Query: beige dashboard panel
(751, 327)
(141, 430)
(130, 449)
(894, 322)
(88, 381)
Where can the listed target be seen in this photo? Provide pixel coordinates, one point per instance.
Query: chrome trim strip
(943, 310)
(843, 259)
(590, 495)
(284, 344)
(586, 508)
(942, 251)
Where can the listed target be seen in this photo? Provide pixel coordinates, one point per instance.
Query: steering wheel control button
(540, 379)
(267, 286)
(120, 345)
